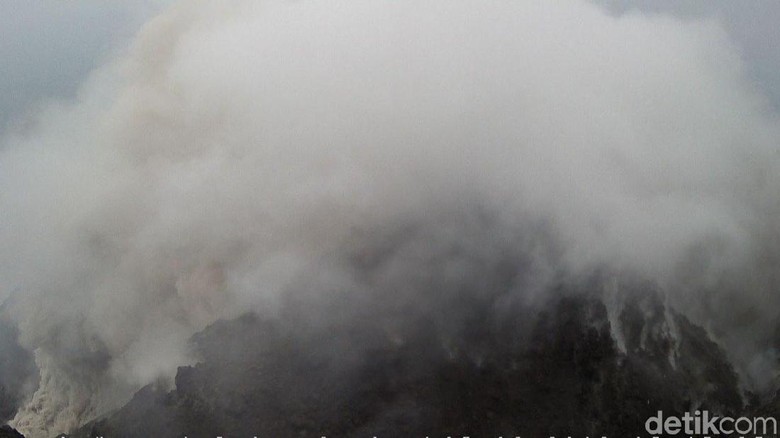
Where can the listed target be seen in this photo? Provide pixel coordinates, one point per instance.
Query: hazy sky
(47, 48)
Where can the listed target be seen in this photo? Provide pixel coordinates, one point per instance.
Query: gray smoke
(239, 154)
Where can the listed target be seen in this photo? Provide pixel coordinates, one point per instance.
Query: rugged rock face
(586, 361)
(9, 432)
(570, 376)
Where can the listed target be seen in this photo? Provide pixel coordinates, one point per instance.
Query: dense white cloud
(751, 25)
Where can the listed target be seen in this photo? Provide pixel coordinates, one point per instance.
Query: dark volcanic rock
(769, 408)
(568, 377)
(9, 432)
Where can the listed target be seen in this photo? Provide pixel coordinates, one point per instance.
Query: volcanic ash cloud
(238, 153)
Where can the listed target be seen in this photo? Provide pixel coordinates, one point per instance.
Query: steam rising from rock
(247, 154)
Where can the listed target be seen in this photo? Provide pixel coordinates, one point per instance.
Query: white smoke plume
(240, 150)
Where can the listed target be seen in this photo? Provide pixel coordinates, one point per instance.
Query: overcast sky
(47, 48)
